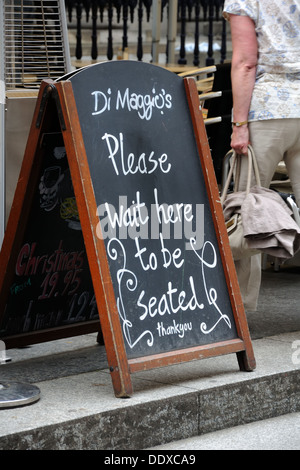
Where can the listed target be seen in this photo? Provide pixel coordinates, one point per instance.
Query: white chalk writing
(143, 104)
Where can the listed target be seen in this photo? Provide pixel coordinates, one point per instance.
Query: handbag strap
(255, 167)
(236, 165)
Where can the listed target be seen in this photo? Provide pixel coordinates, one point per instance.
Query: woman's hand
(240, 139)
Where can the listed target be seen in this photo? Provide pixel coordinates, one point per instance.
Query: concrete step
(78, 410)
(280, 433)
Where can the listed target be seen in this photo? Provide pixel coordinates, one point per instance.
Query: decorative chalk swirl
(130, 284)
(211, 294)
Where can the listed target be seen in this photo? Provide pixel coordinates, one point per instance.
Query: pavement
(280, 433)
(195, 405)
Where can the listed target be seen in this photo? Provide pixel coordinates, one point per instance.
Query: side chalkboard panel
(50, 286)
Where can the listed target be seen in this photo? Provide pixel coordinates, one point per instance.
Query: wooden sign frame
(47, 118)
(59, 96)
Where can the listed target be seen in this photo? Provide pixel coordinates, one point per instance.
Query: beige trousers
(272, 141)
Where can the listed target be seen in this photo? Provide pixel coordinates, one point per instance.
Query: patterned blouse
(276, 92)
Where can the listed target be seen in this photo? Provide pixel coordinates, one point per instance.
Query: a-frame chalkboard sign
(117, 216)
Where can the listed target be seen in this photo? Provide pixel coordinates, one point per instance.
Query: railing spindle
(110, 52)
(125, 25)
(140, 38)
(196, 61)
(210, 59)
(94, 51)
(102, 6)
(223, 42)
(182, 59)
(148, 4)
(78, 51)
(118, 6)
(132, 5)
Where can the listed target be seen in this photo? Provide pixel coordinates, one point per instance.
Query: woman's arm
(243, 71)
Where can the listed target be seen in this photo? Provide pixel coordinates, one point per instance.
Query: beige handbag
(232, 203)
(257, 219)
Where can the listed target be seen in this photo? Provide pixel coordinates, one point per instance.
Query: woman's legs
(272, 141)
(248, 272)
(292, 159)
(269, 144)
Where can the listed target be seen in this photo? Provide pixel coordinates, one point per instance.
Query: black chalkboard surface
(152, 199)
(52, 286)
(122, 221)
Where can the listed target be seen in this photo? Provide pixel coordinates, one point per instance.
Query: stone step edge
(149, 424)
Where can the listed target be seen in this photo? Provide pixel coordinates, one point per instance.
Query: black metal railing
(119, 14)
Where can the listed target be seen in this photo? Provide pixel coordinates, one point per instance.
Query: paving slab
(280, 433)
(77, 408)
